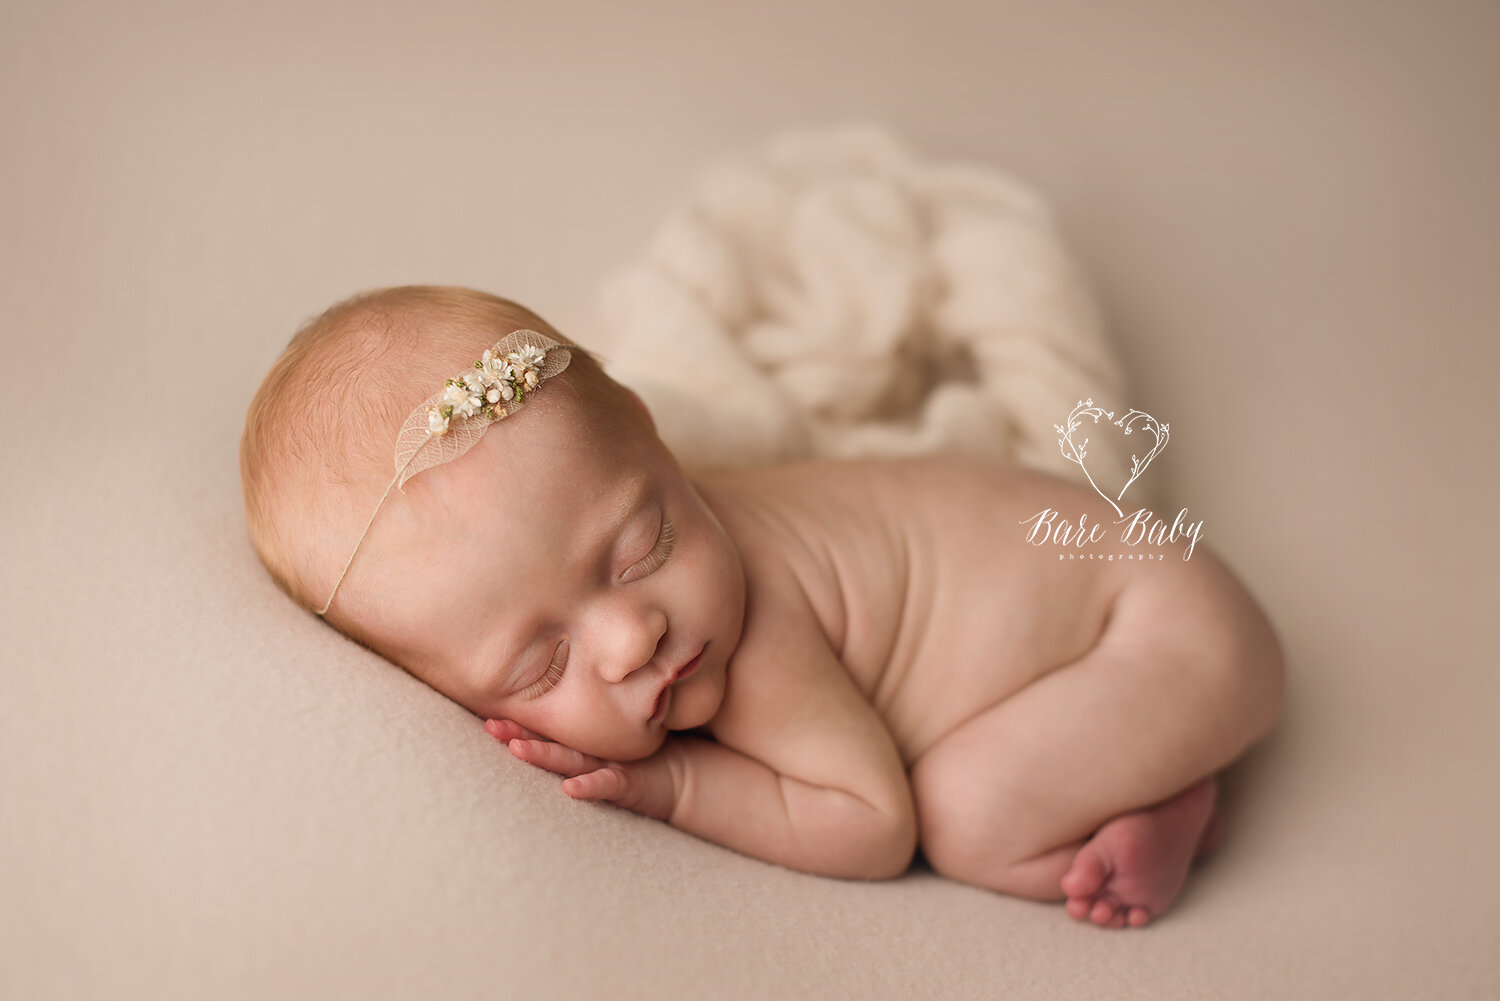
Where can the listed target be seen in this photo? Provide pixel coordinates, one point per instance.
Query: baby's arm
(734, 800)
(819, 785)
(805, 772)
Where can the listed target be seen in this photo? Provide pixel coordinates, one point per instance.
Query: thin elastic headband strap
(350, 561)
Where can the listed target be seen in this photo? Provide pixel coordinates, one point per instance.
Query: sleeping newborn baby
(825, 664)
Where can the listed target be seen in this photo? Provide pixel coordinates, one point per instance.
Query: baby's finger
(603, 783)
(508, 730)
(553, 756)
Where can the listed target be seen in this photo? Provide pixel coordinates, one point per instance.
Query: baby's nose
(633, 644)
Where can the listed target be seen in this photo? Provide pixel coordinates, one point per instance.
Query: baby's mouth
(660, 709)
(690, 666)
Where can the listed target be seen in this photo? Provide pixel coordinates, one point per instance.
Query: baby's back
(922, 578)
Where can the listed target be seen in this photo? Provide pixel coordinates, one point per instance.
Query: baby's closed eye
(666, 541)
(551, 676)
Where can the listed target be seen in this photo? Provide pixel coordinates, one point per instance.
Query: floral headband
(448, 423)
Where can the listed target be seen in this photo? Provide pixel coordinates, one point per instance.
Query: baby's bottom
(1091, 783)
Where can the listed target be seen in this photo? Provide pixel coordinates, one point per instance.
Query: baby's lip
(659, 706)
(689, 667)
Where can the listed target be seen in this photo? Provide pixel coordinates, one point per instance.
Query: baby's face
(562, 580)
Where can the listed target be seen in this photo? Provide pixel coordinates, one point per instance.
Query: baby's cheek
(625, 747)
(614, 743)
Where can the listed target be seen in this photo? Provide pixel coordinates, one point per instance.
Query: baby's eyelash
(548, 680)
(659, 554)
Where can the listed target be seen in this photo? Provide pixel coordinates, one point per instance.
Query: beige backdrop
(1290, 213)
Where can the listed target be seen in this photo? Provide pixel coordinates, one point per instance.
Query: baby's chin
(693, 707)
(633, 748)
(686, 713)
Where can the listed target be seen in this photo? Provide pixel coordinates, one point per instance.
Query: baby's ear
(642, 404)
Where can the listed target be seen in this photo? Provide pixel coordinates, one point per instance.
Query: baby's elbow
(891, 843)
(862, 839)
(900, 849)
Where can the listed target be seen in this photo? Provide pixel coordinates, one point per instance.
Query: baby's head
(559, 573)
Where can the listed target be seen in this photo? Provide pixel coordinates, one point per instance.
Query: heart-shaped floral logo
(1137, 420)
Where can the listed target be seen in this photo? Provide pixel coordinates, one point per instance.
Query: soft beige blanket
(837, 294)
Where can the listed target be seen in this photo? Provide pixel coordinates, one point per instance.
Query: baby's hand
(644, 786)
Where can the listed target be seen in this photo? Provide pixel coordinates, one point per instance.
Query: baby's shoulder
(843, 533)
(787, 689)
(851, 496)
(795, 527)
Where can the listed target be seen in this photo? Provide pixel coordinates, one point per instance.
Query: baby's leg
(1185, 676)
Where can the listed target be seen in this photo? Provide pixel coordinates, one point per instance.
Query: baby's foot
(1135, 865)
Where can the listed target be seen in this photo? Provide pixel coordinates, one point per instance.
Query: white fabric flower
(528, 356)
(437, 424)
(497, 369)
(465, 402)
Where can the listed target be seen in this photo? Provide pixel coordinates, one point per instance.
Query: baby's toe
(1086, 875)
(1118, 921)
(1078, 907)
(1102, 913)
(1138, 916)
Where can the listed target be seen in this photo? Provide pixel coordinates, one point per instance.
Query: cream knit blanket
(837, 295)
